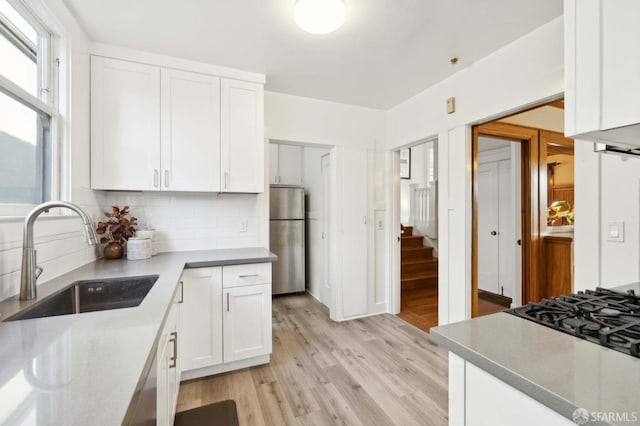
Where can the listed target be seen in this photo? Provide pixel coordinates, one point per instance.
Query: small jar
(138, 248)
(151, 234)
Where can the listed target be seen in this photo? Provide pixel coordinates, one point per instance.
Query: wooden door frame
(530, 205)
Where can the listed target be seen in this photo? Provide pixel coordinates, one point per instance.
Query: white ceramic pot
(139, 248)
(151, 234)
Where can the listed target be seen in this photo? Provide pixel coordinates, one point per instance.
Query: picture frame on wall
(405, 163)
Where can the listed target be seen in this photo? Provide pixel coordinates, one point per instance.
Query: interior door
(488, 227)
(325, 286)
(355, 281)
(506, 231)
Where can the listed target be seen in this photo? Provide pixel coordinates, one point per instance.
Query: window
(26, 110)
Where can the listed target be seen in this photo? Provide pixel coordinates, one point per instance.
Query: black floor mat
(223, 413)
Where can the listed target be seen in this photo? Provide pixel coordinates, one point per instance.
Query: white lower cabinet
(168, 365)
(477, 398)
(247, 322)
(201, 314)
(225, 318)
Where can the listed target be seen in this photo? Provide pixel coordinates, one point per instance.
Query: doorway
(308, 167)
(418, 187)
(527, 256)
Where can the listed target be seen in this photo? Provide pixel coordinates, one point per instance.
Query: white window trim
(36, 13)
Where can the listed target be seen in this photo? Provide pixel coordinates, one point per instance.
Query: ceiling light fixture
(319, 16)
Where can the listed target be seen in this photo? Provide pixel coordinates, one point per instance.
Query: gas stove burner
(601, 316)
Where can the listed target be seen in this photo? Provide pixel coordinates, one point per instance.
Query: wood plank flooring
(371, 371)
(420, 308)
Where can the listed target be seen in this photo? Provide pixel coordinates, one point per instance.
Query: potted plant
(116, 229)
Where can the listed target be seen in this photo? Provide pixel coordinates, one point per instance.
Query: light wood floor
(421, 307)
(372, 371)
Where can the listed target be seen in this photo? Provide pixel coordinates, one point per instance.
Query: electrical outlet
(244, 225)
(379, 225)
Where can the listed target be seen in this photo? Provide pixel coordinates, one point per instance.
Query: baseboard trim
(223, 368)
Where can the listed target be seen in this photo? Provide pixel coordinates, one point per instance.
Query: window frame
(47, 104)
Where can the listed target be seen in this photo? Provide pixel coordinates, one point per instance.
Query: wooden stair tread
(419, 260)
(409, 237)
(416, 248)
(418, 276)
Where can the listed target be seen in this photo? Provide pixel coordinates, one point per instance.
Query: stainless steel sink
(90, 296)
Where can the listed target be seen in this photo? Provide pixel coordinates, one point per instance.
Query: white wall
(607, 188)
(59, 241)
(354, 132)
(522, 73)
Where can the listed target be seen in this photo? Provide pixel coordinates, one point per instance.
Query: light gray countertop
(556, 369)
(86, 368)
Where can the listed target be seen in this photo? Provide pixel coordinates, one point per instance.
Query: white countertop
(84, 369)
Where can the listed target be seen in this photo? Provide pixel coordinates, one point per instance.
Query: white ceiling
(387, 51)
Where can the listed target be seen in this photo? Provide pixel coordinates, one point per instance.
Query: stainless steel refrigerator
(287, 238)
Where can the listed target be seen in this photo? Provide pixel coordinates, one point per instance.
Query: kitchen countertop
(85, 369)
(556, 369)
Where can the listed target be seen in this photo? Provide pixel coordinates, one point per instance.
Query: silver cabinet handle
(155, 178)
(166, 178)
(226, 180)
(181, 292)
(174, 358)
(227, 302)
(248, 276)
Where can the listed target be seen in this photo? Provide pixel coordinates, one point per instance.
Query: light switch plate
(615, 231)
(451, 105)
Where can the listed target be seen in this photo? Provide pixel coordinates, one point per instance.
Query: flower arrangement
(117, 227)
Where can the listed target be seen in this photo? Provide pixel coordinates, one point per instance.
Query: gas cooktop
(606, 317)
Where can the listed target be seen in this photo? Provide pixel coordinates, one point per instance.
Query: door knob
(494, 233)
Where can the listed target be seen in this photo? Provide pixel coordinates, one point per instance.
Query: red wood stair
(418, 267)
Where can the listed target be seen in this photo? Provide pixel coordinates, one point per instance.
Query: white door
(190, 131)
(488, 221)
(507, 247)
(273, 163)
(162, 384)
(125, 125)
(201, 318)
(242, 136)
(325, 285)
(247, 322)
(290, 163)
(355, 277)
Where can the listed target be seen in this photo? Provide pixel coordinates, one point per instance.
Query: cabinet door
(125, 125)
(290, 165)
(162, 389)
(620, 63)
(190, 131)
(201, 318)
(168, 369)
(242, 131)
(247, 322)
(273, 163)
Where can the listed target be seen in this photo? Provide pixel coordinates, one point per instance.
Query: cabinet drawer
(249, 274)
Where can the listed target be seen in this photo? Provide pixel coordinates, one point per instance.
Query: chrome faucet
(30, 269)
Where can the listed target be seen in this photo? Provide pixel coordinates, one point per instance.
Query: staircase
(418, 267)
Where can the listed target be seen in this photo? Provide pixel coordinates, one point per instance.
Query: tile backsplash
(197, 221)
(183, 221)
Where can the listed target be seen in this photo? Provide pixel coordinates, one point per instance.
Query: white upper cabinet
(125, 125)
(161, 129)
(602, 70)
(242, 131)
(286, 165)
(190, 131)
